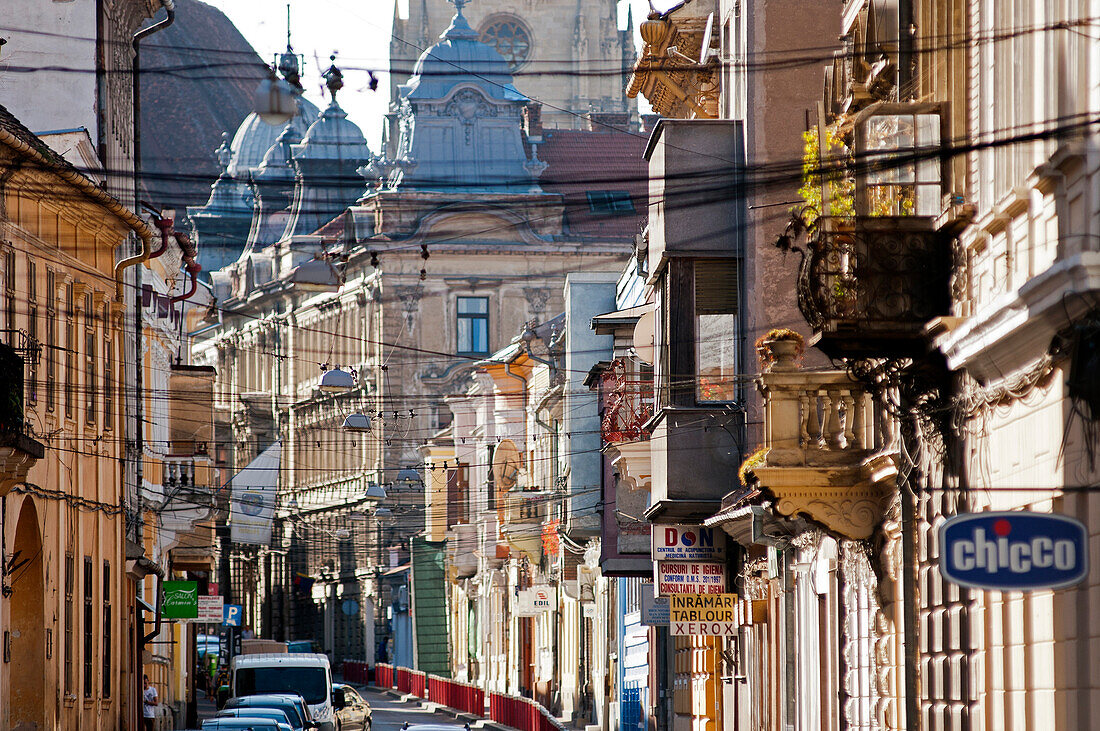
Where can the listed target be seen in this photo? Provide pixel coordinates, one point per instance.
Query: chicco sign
(1014, 551)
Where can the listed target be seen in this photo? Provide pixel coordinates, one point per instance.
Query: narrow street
(388, 713)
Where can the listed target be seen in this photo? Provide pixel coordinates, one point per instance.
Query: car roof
(259, 724)
(257, 697)
(258, 711)
(294, 659)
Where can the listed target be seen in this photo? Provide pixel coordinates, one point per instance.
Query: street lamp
(276, 101)
(376, 492)
(339, 381)
(357, 423)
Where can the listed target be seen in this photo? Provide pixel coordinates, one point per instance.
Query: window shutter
(716, 286)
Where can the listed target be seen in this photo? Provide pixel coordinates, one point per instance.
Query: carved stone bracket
(18, 453)
(632, 461)
(849, 501)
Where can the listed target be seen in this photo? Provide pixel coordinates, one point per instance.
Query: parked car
(294, 706)
(353, 713)
(276, 714)
(243, 724)
(307, 675)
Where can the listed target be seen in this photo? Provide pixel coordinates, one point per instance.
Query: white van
(306, 674)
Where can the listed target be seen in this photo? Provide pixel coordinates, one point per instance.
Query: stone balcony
(832, 450)
(18, 453)
(524, 514)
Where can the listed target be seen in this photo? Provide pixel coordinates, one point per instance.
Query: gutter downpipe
(193, 267)
(159, 573)
(143, 256)
(146, 249)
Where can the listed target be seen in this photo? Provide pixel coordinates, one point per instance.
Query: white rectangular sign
(689, 577)
(687, 543)
(252, 492)
(210, 609)
(531, 602)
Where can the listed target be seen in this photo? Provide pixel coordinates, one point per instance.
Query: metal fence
(519, 713)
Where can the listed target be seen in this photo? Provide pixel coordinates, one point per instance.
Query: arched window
(510, 37)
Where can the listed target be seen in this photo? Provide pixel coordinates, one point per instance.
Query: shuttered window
(717, 341)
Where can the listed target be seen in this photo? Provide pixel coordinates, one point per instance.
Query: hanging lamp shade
(408, 475)
(375, 492)
(337, 381)
(383, 515)
(275, 101)
(357, 423)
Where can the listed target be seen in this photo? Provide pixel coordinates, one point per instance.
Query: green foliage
(841, 184)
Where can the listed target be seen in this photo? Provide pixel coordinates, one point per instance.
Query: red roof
(582, 161)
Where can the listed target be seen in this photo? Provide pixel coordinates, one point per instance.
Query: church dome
(255, 137)
(333, 137)
(460, 57)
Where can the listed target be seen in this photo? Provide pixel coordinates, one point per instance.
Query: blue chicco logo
(1014, 551)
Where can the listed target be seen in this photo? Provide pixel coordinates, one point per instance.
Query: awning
(603, 324)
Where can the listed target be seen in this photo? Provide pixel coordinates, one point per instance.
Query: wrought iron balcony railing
(869, 285)
(629, 405)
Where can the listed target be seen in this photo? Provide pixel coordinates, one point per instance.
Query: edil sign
(1014, 551)
(687, 543)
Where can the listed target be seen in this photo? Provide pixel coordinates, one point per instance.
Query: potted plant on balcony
(780, 349)
(754, 460)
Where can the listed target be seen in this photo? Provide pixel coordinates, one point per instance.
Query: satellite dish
(507, 464)
(704, 50)
(643, 337)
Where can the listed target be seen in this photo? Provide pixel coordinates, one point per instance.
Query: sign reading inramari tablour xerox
(1014, 551)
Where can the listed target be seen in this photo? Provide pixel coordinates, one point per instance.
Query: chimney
(532, 121)
(606, 121)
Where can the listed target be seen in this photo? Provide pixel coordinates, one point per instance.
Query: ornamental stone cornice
(850, 502)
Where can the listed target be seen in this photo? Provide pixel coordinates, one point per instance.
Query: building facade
(571, 57)
(447, 246)
(68, 607)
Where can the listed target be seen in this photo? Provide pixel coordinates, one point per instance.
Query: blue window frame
(473, 325)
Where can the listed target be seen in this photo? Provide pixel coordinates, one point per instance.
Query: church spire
(459, 29)
(334, 78)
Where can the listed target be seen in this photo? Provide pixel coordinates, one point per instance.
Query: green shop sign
(181, 600)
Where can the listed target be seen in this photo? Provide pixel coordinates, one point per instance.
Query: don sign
(1014, 551)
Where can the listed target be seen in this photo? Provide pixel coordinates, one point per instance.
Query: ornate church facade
(569, 55)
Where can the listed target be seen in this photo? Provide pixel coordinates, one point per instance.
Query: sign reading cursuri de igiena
(1014, 551)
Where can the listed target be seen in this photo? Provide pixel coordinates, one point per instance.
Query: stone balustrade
(831, 448)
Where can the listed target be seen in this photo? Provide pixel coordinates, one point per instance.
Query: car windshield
(308, 682)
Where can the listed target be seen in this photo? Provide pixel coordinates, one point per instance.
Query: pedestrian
(149, 700)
